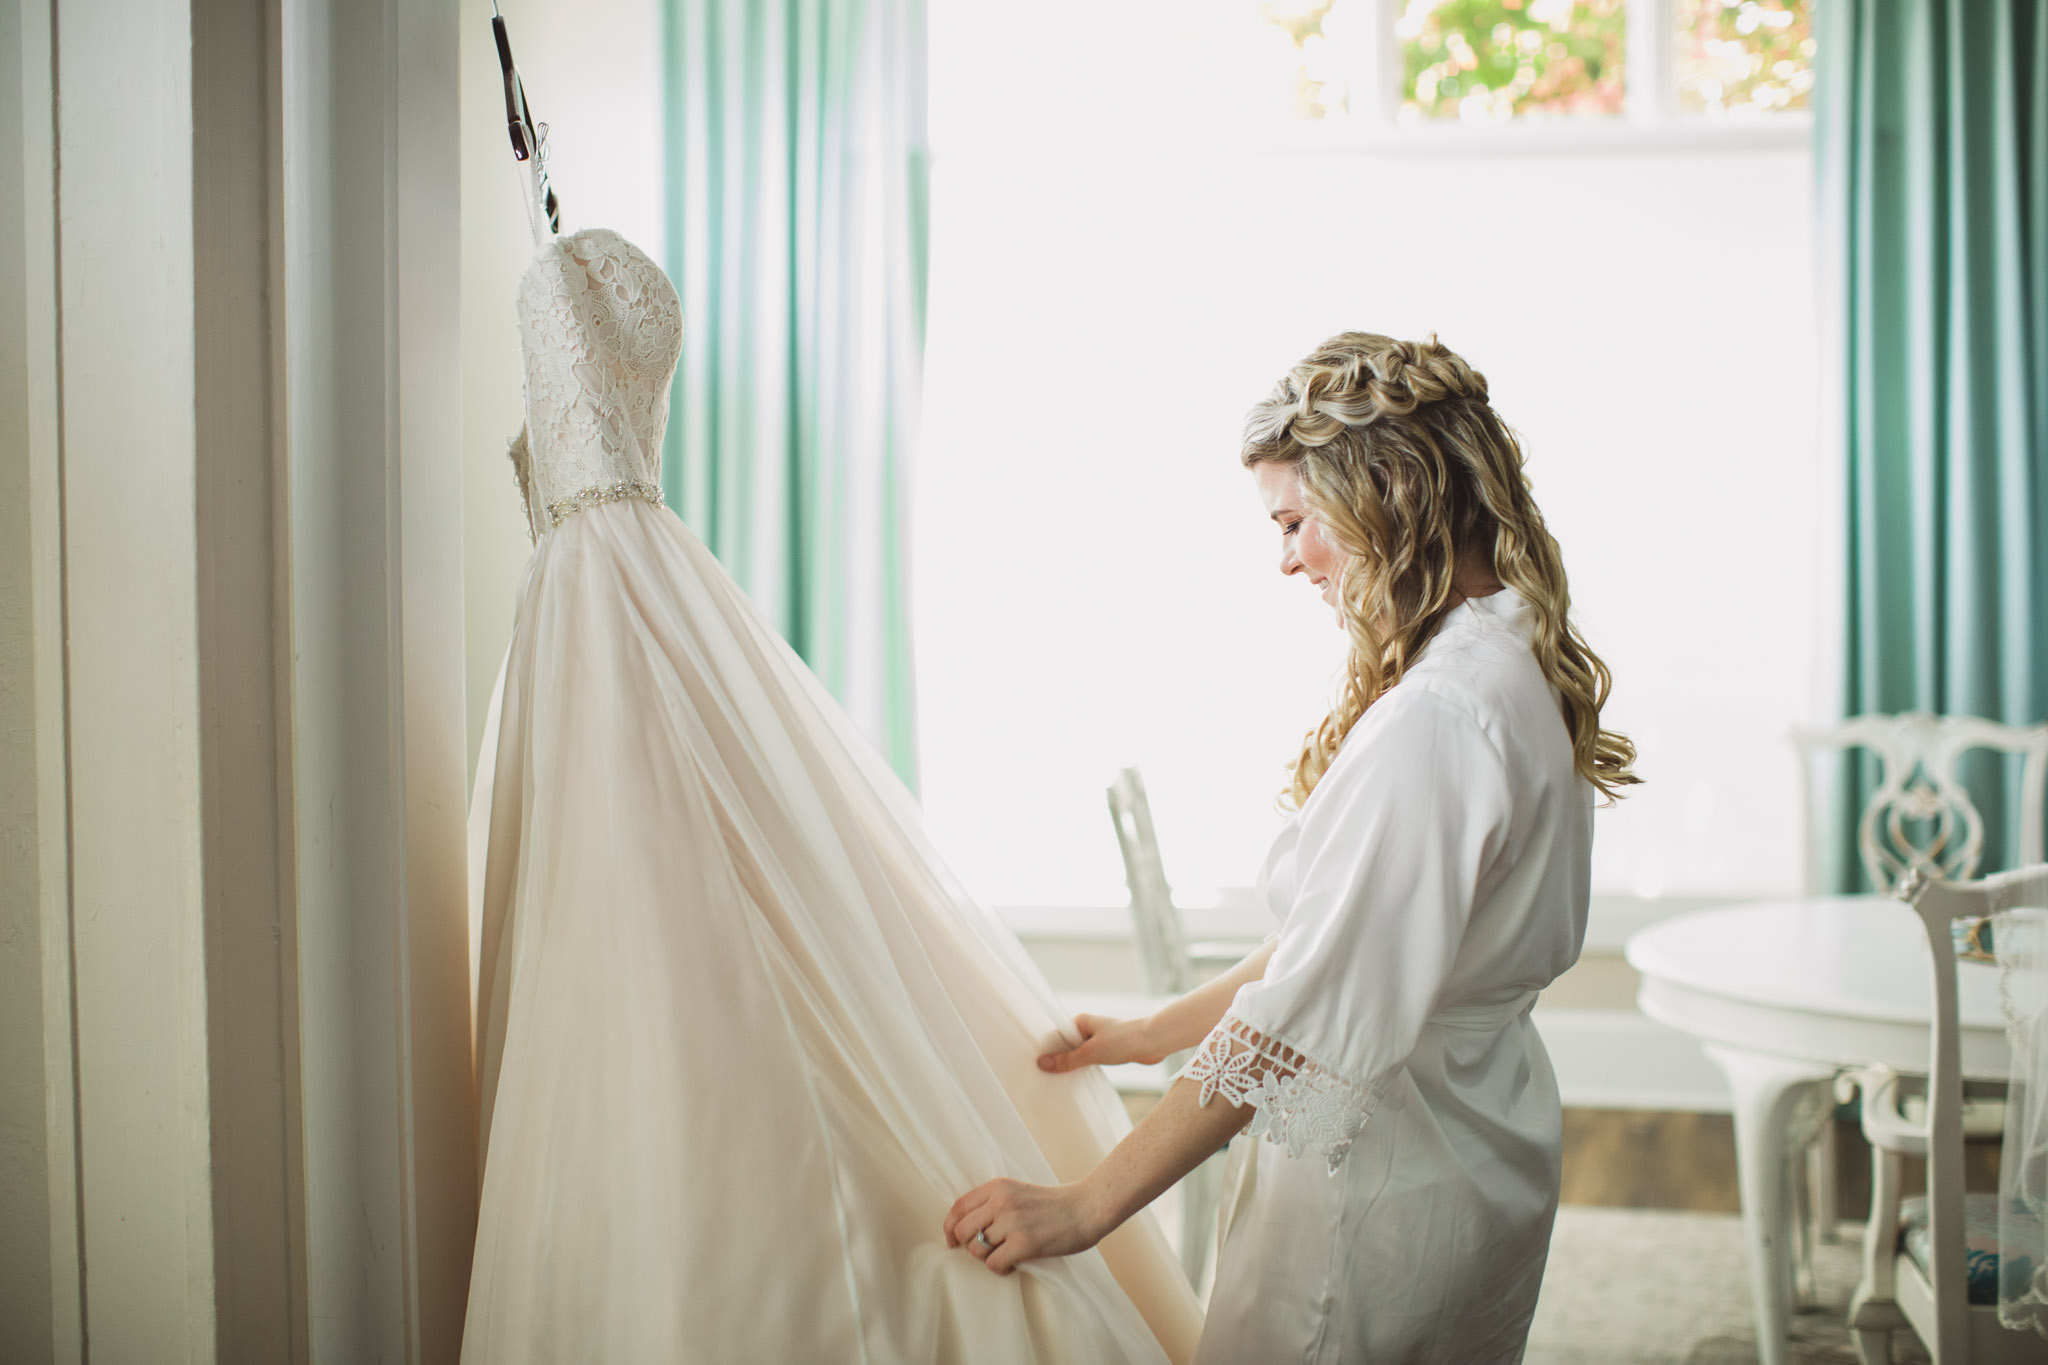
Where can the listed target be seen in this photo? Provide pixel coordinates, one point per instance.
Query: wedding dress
(740, 1039)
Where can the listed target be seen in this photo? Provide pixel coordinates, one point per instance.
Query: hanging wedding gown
(740, 1039)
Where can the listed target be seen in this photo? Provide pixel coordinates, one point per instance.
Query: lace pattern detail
(1296, 1102)
(601, 329)
(2018, 938)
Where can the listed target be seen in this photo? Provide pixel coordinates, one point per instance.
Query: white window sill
(1546, 138)
(1235, 913)
(1550, 137)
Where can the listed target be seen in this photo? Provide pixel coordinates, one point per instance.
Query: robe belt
(1485, 1016)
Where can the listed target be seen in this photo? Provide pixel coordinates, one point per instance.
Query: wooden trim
(41, 1275)
(244, 692)
(374, 526)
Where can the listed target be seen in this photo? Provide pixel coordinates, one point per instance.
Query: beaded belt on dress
(561, 509)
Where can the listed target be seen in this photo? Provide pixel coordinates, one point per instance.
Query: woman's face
(1305, 547)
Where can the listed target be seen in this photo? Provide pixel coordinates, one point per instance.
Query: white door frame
(233, 947)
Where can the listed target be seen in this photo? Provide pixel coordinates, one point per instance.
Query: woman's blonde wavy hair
(1405, 464)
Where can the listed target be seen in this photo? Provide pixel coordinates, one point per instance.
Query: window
(1744, 57)
(1643, 63)
(1487, 61)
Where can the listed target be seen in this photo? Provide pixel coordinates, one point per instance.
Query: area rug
(1654, 1287)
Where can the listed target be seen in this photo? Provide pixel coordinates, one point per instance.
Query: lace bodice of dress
(602, 330)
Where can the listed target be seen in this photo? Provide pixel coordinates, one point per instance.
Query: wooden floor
(1619, 1158)
(1663, 1159)
(1623, 1158)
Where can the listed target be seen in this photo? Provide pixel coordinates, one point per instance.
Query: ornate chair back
(1951, 913)
(1918, 786)
(1155, 922)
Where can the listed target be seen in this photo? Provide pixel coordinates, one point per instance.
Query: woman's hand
(1006, 1222)
(1178, 1024)
(1106, 1042)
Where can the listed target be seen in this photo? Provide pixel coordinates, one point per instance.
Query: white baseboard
(1619, 1059)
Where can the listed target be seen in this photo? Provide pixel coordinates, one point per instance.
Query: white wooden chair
(1917, 1270)
(1917, 789)
(1917, 785)
(1170, 966)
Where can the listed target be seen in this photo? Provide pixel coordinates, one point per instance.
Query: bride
(740, 1039)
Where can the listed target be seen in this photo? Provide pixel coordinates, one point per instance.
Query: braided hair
(1406, 465)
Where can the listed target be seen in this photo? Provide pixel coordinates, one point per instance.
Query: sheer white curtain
(2020, 937)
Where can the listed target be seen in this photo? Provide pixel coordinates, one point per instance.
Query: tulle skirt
(741, 1041)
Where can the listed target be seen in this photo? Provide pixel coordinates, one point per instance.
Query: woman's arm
(1025, 1222)
(1182, 1024)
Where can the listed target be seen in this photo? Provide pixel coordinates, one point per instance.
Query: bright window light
(1744, 57)
(1126, 255)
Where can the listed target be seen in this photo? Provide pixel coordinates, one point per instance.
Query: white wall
(1124, 261)
(592, 70)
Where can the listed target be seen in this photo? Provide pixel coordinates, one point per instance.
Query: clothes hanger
(529, 139)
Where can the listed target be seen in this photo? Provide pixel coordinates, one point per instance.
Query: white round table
(1784, 994)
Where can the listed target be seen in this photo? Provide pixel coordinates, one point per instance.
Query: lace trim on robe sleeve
(1296, 1101)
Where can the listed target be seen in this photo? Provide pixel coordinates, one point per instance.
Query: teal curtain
(797, 231)
(1932, 143)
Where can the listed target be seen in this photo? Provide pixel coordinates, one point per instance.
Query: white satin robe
(1434, 881)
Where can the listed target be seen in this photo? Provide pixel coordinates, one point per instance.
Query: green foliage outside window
(1744, 56)
(1488, 61)
(1492, 60)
